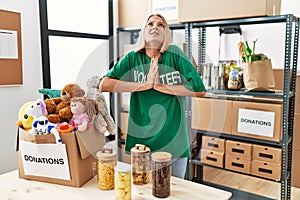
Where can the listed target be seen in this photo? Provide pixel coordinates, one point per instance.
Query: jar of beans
(123, 181)
(140, 162)
(161, 174)
(107, 160)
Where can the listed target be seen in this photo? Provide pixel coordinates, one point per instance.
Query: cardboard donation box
(202, 10)
(72, 163)
(129, 16)
(257, 120)
(212, 115)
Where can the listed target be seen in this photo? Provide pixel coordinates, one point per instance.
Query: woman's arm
(177, 90)
(108, 84)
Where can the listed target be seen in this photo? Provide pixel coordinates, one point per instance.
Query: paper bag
(258, 76)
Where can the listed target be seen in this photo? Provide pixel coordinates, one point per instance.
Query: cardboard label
(46, 160)
(167, 8)
(256, 122)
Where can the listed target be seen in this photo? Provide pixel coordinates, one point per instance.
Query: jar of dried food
(161, 174)
(107, 160)
(140, 162)
(123, 181)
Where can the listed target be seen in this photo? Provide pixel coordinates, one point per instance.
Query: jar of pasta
(161, 174)
(123, 181)
(140, 163)
(107, 160)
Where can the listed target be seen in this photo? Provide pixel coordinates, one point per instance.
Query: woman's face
(154, 31)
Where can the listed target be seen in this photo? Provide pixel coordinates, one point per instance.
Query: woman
(159, 75)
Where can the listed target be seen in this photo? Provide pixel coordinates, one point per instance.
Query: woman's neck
(153, 52)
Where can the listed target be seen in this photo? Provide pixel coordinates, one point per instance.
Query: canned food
(140, 162)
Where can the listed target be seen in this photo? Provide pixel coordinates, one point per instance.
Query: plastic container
(140, 162)
(107, 160)
(161, 174)
(123, 181)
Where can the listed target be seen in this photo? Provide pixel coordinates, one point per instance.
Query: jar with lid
(123, 181)
(161, 174)
(107, 160)
(140, 162)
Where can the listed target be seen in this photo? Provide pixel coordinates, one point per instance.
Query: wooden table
(14, 188)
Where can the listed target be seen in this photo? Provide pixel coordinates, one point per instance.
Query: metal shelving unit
(287, 96)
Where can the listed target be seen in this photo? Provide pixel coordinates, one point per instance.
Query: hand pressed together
(153, 75)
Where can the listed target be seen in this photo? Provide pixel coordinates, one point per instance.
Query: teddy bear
(84, 110)
(103, 121)
(58, 108)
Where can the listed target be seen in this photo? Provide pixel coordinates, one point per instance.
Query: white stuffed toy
(42, 126)
(36, 110)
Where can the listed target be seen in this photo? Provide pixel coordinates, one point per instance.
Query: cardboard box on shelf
(213, 144)
(123, 124)
(129, 16)
(238, 149)
(267, 154)
(239, 164)
(125, 99)
(212, 115)
(213, 158)
(124, 156)
(279, 81)
(266, 170)
(72, 163)
(201, 10)
(257, 120)
(296, 138)
(295, 168)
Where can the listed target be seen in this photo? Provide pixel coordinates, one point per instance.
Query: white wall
(13, 97)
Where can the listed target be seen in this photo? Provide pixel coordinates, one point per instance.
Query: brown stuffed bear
(59, 108)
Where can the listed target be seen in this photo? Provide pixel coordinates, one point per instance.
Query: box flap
(38, 139)
(90, 141)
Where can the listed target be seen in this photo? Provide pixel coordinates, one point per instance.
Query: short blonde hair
(167, 36)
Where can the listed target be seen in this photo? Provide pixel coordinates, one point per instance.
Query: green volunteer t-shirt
(158, 120)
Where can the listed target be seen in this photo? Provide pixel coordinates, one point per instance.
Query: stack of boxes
(258, 160)
(238, 156)
(212, 151)
(266, 162)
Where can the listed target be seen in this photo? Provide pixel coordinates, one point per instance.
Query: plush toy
(24, 120)
(103, 121)
(84, 110)
(43, 126)
(36, 110)
(58, 108)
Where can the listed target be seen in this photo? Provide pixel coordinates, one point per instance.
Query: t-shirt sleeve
(121, 68)
(192, 79)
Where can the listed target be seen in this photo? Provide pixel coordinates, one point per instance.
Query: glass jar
(235, 79)
(161, 174)
(107, 160)
(140, 162)
(123, 181)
